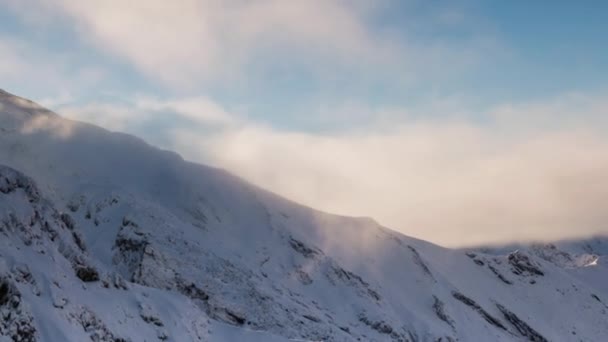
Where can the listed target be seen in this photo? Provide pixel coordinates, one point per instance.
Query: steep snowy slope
(106, 238)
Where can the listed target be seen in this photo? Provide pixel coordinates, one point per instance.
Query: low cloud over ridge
(521, 176)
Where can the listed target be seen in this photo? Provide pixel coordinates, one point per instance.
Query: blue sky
(317, 90)
(484, 53)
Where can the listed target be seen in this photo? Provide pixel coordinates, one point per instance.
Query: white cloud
(116, 117)
(141, 109)
(535, 171)
(11, 64)
(452, 182)
(198, 109)
(189, 40)
(31, 70)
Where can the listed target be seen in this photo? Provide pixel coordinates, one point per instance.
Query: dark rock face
(12, 180)
(4, 293)
(439, 308)
(352, 279)
(522, 327)
(237, 319)
(139, 260)
(87, 273)
(499, 275)
(384, 328)
(130, 249)
(192, 291)
(522, 265)
(380, 326)
(15, 322)
(67, 220)
(483, 313)
(303, 249)
(94, 327)
(418, 260)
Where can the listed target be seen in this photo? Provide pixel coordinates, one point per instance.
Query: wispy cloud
(201, 110)
(186, 41)
(24, 66)
(532, 171)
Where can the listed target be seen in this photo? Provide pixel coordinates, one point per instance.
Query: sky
(459, 122)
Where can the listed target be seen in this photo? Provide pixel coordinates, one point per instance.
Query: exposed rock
(94, 327)
(12, 180)
(67, 220)
(483, 313)
(301, 248)
(86, 273)
(418, 260)
(303, 276)
(191, 290)
(22, 274)
(353, 279)
(312, 318)
(439, 308)
(522, 327)
(380, 326)
(79, 241)
(60, 302)
(117, 281)
(234, 317)
(15, 322)
(499, 275)
(522, 265)
(384, 328)
(149, 315)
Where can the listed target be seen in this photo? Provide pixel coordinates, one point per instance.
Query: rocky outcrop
(303, 249)
(476, 307)
(499, 275)
(12, 180)
(439, 309)
(420, 262)
(522, 327)
(384, 328)
(15, 321)
(522, 265)
(94, 327)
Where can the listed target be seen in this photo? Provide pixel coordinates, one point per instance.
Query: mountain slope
(109, 239)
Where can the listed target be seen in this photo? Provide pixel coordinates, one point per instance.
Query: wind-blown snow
(106, 238)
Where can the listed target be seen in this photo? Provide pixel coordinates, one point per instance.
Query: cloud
(212, 43)
(24, 67)
(195, 112)
(454, 182)
(11, 64)
(116, 117)
(529, 171)
(199, 109)
(186, 41)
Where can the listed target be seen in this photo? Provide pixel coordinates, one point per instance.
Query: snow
(185, 252)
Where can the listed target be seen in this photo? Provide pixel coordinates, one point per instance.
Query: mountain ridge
(129, 242)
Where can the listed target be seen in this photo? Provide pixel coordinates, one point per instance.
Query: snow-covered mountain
(106, 238)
